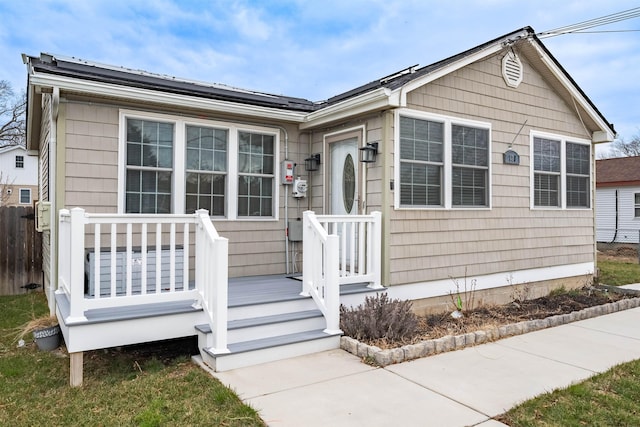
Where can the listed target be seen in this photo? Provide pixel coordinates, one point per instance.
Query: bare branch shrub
(379, 317)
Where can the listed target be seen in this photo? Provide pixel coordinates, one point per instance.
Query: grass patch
(608, 399)
(120, 387)
(618, 273)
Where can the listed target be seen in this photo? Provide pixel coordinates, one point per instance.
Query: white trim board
(438, 288)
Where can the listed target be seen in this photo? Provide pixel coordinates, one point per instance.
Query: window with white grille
(561, 172)
(443, 162)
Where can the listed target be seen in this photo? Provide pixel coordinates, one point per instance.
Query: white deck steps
(269, 349)
(267, 326)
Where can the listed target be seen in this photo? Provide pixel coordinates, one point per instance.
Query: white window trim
(563, 170)
(447, 180)
(179, 158)
(20, 196)
(635, 206)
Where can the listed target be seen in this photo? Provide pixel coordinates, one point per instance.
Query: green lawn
(618, 273)
(608, 399)
(121, 387)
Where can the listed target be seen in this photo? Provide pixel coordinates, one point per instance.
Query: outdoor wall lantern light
(369, 152)
(312, 163)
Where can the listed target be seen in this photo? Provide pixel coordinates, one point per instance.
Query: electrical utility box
(286, 171)
(295, 231)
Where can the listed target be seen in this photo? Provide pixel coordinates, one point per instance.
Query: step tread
(264, 320)
(280, 340)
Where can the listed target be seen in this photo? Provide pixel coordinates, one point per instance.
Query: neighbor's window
(637, 204)
(561, 173)
(425, 165)
(149, 166)
(19, 162)
(25, 196)
(206, 169)
(255, 174)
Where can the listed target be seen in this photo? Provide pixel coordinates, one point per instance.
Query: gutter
(145, 95)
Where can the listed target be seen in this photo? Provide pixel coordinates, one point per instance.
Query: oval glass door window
(348, 183)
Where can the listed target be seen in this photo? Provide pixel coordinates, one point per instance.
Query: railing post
(332, 285)
(375, 266)
(307, 253)
(219, 304)
(76, 262)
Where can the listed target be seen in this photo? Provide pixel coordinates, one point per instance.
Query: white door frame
(358, 132)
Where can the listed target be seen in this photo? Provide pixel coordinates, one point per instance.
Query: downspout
(53, 221)
(615, 234)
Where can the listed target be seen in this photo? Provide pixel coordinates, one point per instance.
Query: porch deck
(243, 291)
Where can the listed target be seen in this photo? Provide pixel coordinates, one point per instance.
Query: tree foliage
(623, 148)
(12, 116)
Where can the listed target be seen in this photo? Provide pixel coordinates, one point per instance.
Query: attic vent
(512, 69)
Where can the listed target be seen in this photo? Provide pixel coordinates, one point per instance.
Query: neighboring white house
(18, 176)
(618, 200)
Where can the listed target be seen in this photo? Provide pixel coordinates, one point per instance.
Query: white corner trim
(438, 288)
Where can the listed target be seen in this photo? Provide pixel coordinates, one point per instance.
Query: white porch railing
(339, 249)
(137, 259)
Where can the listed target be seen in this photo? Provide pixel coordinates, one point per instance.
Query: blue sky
(317, 49)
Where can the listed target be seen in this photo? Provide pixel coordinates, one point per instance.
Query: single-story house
(479, 167)
(18, 176)
(618, 201)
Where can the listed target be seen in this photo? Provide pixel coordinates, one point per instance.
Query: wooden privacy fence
(20, 250)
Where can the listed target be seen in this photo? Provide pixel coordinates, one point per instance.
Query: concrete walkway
(459, 388)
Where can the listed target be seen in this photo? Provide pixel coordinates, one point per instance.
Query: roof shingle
(618, 171)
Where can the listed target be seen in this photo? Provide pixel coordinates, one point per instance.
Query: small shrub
(379, 317)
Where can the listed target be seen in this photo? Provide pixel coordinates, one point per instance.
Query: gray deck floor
(259, 289)
(242, 291)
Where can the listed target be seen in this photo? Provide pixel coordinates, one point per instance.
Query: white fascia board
(441, 72)
(172, 99)
(575, 93)
(370, 101)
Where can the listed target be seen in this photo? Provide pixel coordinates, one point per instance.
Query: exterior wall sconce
(312, 163)
(369, 152)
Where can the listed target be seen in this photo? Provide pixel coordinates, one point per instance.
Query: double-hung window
(443, 162)
(470, 163)
(206, 169)
(255, 174)
(421, 154)
(561, 173)
(178, 165)
(25, 196)
(149, 166)
(19, 162)
(636, 205)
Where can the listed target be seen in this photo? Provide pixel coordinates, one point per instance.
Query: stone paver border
(380, 357)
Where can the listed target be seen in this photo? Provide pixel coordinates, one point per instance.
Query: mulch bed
(486, 317)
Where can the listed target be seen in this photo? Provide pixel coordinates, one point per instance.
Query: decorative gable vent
(512, 69)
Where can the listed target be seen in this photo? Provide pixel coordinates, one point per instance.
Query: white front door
(343, 186)
(343, 194)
